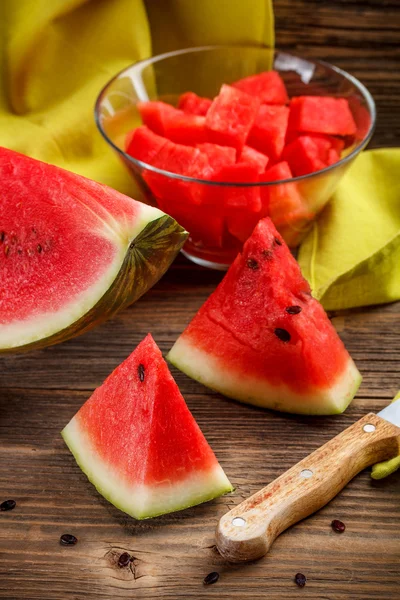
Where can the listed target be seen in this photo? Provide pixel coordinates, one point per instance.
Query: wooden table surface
(41, 391)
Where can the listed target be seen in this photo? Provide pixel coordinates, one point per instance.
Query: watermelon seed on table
(8, 505)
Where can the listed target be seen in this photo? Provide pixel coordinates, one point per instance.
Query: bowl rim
(142, 63)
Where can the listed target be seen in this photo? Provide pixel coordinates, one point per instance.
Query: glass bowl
(216, 235)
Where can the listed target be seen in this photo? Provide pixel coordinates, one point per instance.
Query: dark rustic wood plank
(40, 392)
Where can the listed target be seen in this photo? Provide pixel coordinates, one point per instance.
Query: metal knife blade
(391, 413)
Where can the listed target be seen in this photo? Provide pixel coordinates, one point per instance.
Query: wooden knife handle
(248, 530)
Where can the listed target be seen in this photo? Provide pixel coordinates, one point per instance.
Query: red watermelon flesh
(205, 227)
(233, 196)
(336, 143)
(154, 113)
(182, 160)
(138, 443)
(230, 117)
(143, 144)
(66, 261)
(307, 155)
(193, 104)
(241, 225)
(285, 204)
(268, 87)
(321, 114)
(362, 119)
(185, 129)
(253, 157)
(218, 156)
(269, 130)
(263, 339)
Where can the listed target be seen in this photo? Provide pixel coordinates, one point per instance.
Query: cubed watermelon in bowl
(220, 137)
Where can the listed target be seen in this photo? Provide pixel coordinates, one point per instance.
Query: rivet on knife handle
(248, 530)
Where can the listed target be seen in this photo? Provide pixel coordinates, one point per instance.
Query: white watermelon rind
(143, 501)
(213, 373)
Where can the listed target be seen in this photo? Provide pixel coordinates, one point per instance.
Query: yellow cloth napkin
(351, 257)
(388, 467)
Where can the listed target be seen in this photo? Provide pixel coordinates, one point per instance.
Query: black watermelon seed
(282, 334)
(141, 372)
(300, 579)
(278, 241)
(2, 236)
(211, 578)
(8, 505)
(252, 264)
(267, 253)
(39, 248)
(124, 560)
(294, 310)
(67, 539)
(338, 526)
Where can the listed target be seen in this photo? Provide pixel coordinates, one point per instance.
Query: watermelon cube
(185, 129)
(320, 114)
(284, 202)
(205, 227)
(253, 157)
(230, 117)
(307, 154)
(182, 160)
(235, 197)
(337, 143)
(193, 104)
(269, 130)
(361, 116)
(153, 114)
(143, 144)
(267, 86)
(218, 156)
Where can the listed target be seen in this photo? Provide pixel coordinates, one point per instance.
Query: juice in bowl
(219, 137)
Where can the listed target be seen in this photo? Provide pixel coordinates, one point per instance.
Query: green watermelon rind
(150, 250)
(211, 372)
(200, 487)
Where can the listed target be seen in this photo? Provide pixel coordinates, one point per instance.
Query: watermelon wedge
(137, 442)
(263, 339)
(72, 252)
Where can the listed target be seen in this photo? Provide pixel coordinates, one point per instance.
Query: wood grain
(40, 392)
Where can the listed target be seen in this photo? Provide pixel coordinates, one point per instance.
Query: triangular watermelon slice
(263, 339)
(138, 443)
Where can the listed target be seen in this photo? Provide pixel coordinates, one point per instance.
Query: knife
(248, 530)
